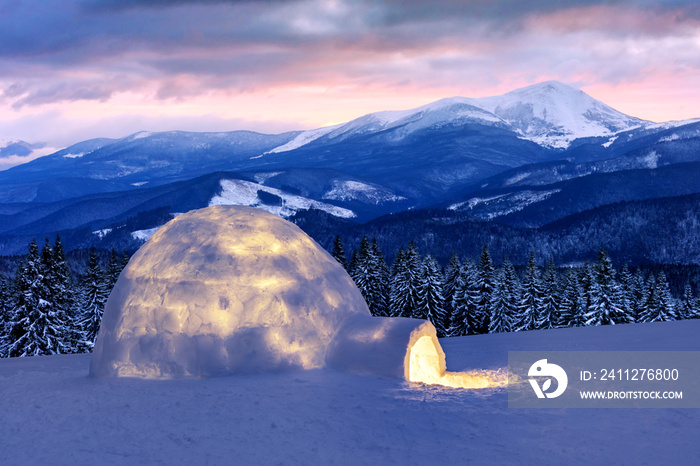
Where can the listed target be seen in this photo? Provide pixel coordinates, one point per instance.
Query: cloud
(147, 53)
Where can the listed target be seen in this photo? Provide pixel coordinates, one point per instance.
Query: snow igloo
(231, 289)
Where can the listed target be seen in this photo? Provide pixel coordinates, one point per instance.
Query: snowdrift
(231, 289)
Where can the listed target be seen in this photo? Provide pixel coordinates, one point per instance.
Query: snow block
(223, 290)
(382, 346)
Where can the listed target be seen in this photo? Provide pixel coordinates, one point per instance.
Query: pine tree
(688, 308)
(405, 294)
(36, 327)
(571, 308)
(379, 281)
(465, 303)
(452, 278)
(605, 307)
(485, 280)
(432, 301)
(531, 297)
(5, 306)
(113, 270)
(626, 292)
(500, 307)
(60, 285)
(639, 291)
(548, 316)
(93, 296)
(339, 252)
(512, 290)
(659, 306)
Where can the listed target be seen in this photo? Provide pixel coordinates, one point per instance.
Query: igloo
(231, 289)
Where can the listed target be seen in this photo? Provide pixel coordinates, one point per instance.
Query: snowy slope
(240, 192)
(551, 114)
(53, 413)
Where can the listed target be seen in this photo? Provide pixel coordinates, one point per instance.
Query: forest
(45, 309)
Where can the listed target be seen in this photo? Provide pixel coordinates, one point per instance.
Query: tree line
(468, 297)
(44, 310)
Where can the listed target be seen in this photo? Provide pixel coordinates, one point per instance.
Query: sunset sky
(77, 69)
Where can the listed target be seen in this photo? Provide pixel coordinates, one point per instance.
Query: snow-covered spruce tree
(638, 294)
(606, 307)
(59, 284)
(659, 306)
(512, 290)
(432, 301)
(688, 306)
(551, 301)
(114, 268)
(465, 302)
(338, 252)
(93, 296)
(499, 306)
(371, 276)
(531, 298)
(571, 307)
(626, 289)
(5, 306)
(452, 278)
(485, 280)
(36, 327)
(405, 293)
(360, 269)
(380, 281)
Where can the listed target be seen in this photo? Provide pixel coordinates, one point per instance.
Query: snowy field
(53, 413)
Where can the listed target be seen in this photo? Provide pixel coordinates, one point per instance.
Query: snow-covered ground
(53, 413)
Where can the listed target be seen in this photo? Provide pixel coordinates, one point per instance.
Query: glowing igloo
(231, 289)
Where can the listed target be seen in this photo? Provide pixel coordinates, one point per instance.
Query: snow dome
(231, 289)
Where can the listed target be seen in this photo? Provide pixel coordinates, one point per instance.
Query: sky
(79, 69)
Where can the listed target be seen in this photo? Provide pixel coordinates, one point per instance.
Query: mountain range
(528, 159)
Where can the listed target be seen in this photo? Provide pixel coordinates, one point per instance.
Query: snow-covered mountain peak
(551, 113)
(554, 114)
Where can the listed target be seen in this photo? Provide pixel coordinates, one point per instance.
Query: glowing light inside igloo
(229, 289)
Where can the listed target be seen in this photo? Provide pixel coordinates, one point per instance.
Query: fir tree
(571, 308)
(113, 270)
(659, 306)
(512, 291)
(5, 306)
(93, 296)
(605, 307)
(548, 316)
(500, 307)
(36, 327)
(688, 308)
(531, 297)
(339, 252)
(452, 278)
(465, 303)
(432, 301)
(405, 293)
(485, 281)
(626, 292)
(638, 292)
(378, 281)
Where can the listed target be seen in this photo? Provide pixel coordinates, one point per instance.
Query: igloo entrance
(424, 366)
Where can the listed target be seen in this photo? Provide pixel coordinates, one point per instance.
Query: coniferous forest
(47, 309)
